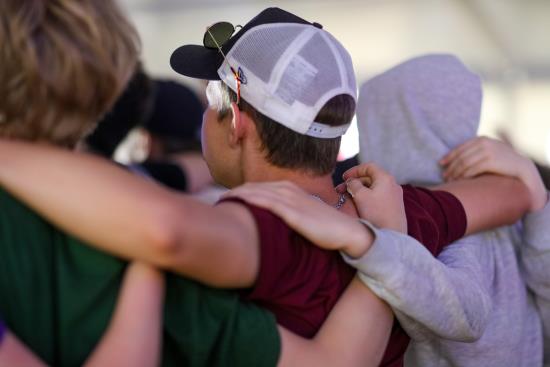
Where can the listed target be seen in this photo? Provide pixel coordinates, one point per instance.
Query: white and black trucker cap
(288, 69)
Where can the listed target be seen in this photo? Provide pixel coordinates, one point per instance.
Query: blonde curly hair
(63, 63)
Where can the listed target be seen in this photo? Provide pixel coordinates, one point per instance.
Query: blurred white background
(506, 41)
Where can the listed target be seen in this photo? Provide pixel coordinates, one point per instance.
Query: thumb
(341, 188)
(354, 186)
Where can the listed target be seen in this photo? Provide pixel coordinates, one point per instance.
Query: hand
(315, 220)
(378, 198)
(485, 155)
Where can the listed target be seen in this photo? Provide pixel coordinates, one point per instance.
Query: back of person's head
(410, 116)
(175, 120)
(287, 148)
(63, 64)
(296, 82)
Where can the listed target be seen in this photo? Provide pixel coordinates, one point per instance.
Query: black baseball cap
(177, 111)
(203, 63)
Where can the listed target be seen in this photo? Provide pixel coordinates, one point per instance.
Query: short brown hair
(288, 149)
(63, 63)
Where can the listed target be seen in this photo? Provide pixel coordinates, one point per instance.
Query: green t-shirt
(57, 295)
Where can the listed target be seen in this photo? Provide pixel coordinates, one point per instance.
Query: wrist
(361, 241)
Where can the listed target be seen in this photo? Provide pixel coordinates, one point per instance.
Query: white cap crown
(288, 73)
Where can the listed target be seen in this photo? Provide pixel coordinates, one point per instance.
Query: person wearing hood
(470, 305)
(409, 118)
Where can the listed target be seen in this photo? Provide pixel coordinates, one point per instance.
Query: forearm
(90, 198)
(118, 212)
(355, 333)
(444, 296)
(134, 336)
(490, 201)
(358, 241)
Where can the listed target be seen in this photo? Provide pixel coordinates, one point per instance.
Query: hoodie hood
(413, 114)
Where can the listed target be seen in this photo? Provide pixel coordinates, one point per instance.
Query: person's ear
(239, 122)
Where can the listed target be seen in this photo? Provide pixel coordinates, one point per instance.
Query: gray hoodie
(469, 307)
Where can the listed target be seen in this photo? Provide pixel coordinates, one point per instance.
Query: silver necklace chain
(338, 205)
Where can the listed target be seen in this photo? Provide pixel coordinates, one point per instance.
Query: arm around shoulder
(128, 216)
(220, 247)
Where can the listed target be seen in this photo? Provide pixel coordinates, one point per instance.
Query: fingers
(462, 162)
(252, 195)
(298, 209)
(476, 156)
(473, 170)
(269, 197)
(363, 177)
(354, 187)
(282, 198)
(362, 172)
(370, 171)
(459, 150)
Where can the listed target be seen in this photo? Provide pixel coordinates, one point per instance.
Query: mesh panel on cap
(262, 49)
(290, 71)
(349, 66)
(320, 56)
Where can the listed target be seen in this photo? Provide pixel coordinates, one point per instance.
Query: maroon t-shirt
(300, 282)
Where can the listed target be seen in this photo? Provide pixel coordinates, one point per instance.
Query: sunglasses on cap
(214, 38)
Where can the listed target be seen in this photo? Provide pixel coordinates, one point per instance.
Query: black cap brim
(203, 63)
(196, 62)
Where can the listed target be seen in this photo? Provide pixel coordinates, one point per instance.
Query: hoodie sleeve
(534, 255)
(535, 250)
(429, 296)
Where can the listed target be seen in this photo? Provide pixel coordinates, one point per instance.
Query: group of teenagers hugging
(434, 251)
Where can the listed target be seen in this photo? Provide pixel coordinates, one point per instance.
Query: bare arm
(490, 201)
(134, 335)
(485, 155)
(14, 353)
(315, 220)
(355, 333)
(117, 212)
(501, 200)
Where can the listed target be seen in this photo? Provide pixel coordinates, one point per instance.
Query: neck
(319, 185)
(255, 168)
